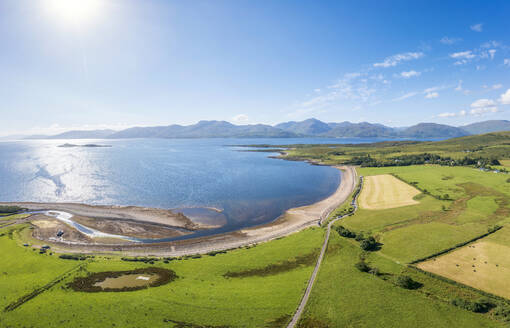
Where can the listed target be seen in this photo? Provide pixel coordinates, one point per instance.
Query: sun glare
(76, 12)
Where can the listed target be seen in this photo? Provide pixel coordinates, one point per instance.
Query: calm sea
(248, 187)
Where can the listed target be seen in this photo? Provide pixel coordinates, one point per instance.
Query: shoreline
(292, 220)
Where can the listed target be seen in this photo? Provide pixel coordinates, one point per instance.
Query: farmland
(484, 264)
(385, 191)
(454, 207)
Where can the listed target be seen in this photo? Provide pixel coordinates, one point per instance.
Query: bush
(362, 266)
(407, 282)
(368, 244)
(480, 306)
(501, 312)
(345, 232)
(360, 236)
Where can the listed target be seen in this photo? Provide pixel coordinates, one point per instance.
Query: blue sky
(121, 63)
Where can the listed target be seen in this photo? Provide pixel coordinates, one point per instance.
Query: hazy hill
(205, 129)
(91, 134)
(433, 130)
(307, 128)
(310, 127)
(363, 129)
(487, 126)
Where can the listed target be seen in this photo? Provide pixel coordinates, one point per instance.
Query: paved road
(308, 290)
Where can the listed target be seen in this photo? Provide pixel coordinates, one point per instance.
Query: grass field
(484, 264)
(413, 232)
(385, 191)
(345, 297)
(487, 146)
(274, 276)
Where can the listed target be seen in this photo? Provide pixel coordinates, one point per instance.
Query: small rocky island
(68, 145)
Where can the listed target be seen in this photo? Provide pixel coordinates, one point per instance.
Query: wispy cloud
(396, 59)
(449, 41)
(493, 87)
(505, 98)
(477, 27)
(428, 92)
(506, 62)
(407, 95)
(410, 74)
(432, 95)
(483, 106)
(240, 118)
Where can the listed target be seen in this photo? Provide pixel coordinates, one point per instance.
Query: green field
(346, 297)
(201, 296)
(397, 153)
(436, 224)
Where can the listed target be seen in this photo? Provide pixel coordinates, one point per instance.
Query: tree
(368, 244)
(406, 282)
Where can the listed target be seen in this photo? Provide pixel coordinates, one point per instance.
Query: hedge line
(456, 246)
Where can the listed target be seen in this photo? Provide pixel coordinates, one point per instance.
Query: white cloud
(491, 44)
(395, 59)
(483, 106)
(482, 103)
(477, 27)
(407, 95)
(447, 114)
(241, 118)
(492, 52)
(459, 86)
(317, 90)
(505, 98)
(463, 54)
(506, 62)
(450, 41)
(497, 86)
(409, 74)
(431, 95)
(450, 114)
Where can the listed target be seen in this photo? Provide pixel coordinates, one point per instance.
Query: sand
(291, 221)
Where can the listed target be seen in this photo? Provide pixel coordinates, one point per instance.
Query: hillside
(205, 129)
(487, 126)
(433, 130)
(292, 129)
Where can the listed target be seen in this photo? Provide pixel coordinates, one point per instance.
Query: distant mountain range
(308, 128)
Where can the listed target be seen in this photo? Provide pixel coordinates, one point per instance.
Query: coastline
(293, 220)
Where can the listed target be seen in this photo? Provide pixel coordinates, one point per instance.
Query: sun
(76, 12)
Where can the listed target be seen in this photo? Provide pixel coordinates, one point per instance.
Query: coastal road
(309, 287)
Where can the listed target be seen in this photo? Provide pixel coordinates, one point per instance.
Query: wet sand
(291, 221)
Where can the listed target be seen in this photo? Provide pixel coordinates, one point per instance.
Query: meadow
(250, 287)
(456, 205)
(345, 297)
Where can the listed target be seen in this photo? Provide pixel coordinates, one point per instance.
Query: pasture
(385, 191)
(345, 297)
(249, 287)
(484, 264)
(455, 207)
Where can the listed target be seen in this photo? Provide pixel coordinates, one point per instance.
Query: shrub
(360, 236)
(407, 282)
(345, 232)
(368, 244)
(480, 306)
(362, 266)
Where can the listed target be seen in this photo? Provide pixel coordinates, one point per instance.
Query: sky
(90, 64)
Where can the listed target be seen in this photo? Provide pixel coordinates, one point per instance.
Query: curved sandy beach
(291, 221)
